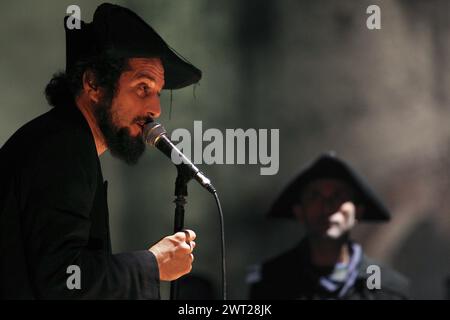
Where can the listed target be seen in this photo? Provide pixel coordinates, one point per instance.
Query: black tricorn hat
(121, 31)
(329, 166)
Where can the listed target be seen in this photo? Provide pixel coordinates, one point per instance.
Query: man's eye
(143, 90)
(313, 196)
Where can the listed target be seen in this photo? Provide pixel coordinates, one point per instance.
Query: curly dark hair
(64, 87)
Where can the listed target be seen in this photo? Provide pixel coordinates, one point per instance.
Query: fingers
(190, 235)
(186, 239)
(174, 254)
(185, 235)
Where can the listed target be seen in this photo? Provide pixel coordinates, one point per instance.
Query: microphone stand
(183, 177)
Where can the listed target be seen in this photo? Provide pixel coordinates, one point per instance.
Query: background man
(328, 198)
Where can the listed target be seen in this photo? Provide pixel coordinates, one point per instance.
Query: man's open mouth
(142, 123)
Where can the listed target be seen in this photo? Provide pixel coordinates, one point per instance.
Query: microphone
(154, 134)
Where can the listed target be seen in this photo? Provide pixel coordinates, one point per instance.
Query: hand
(174, 255)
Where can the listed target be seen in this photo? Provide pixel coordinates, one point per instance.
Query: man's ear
(90, 86)
(298, 212)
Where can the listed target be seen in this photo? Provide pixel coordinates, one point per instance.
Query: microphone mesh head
(152, 132)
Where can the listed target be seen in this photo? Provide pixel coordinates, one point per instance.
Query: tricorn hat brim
(121, 31)
(329, 166)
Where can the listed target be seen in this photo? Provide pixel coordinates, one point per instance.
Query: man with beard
(327, 198)
(53, 207)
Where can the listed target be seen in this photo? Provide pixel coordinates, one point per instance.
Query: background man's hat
(329, 166)
(119, 30)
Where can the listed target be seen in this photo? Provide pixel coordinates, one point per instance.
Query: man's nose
(154, 109)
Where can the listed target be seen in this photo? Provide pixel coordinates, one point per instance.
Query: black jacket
(291, 276)
(54, 213)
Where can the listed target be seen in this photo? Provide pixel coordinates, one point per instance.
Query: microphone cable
(222, 239)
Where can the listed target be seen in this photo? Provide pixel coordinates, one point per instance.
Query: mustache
(142, 120)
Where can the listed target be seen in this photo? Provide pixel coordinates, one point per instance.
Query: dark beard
(119, 140)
